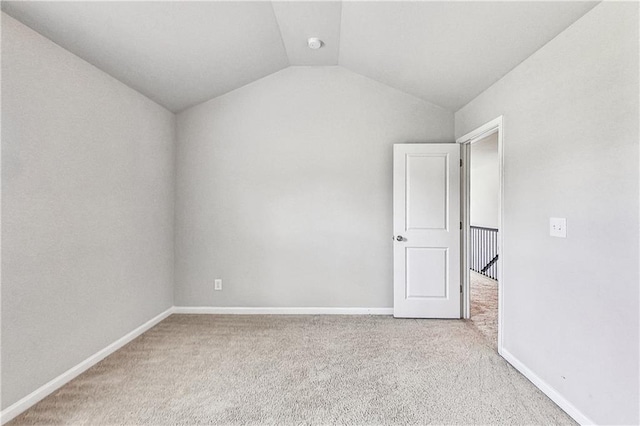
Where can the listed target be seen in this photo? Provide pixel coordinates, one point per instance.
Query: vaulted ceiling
(183, 53)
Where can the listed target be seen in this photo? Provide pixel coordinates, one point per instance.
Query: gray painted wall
(571, 150)
(87, 210)
(284, 190)
(485, 182)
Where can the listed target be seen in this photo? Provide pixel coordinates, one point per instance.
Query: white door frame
(465, 141)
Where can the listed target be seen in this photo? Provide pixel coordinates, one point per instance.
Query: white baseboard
(547, 389)
(34, 397)
(280, 311)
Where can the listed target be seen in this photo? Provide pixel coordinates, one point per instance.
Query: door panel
(426, 272)
(426, 215)
(426, 206)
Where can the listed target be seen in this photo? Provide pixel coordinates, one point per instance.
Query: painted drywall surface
(87, 210)
(571, 150)
(485, 182)
(284, 190)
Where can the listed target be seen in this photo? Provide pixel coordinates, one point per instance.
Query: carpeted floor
(484, 306)
(285, 370)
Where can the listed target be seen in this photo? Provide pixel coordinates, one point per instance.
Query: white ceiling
(183, 53)
(447, 52)
(300, 20)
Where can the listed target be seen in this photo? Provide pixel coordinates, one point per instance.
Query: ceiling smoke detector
(314, 43)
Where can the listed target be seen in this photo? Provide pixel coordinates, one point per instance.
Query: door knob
(399, 238)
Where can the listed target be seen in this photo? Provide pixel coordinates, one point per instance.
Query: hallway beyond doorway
(484, 306)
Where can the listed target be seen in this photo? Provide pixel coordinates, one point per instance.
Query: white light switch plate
(558, 227)
(217, 284)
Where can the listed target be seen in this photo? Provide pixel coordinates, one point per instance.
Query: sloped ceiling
(183, 53)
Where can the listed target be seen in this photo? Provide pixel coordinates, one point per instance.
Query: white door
(426, 223)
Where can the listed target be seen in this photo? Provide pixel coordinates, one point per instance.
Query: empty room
(320, 213)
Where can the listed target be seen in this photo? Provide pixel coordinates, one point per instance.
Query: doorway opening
(482, 184)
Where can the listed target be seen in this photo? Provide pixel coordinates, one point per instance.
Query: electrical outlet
(558, 227)
(217, 284)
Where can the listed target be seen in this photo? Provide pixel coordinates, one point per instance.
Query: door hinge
(461, 162)
(461, 226)
(460, 289)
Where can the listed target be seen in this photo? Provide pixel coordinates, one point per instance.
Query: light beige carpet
(285, 370)
(484, 306)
